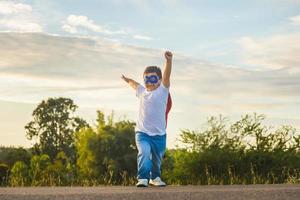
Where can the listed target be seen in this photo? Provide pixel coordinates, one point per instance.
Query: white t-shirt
(152, 110)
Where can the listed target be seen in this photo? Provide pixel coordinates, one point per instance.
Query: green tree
(87, 145)
(53, 126)
(107, 153)
(9, 155)
(245, 152)
(19, 174)
(3, 174)
(38, 169)
(61, 171)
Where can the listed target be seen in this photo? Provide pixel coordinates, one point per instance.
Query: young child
(155, 104)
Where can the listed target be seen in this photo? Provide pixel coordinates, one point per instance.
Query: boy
(155, 103)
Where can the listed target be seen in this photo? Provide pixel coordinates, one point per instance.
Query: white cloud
(36, 66)
(18, 17)
(66, 66)
(69, 28)
(295, 20)
(75, 23)
(20, 25)
(8, 7)
(82, 25)
(142, 37)
(83, 68)
(275, 52)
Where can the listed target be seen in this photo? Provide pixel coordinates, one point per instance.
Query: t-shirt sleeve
(164, 88)
(139, 90)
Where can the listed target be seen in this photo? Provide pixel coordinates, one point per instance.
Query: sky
(230, 58)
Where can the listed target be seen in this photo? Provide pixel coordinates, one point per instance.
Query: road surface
(225, 192)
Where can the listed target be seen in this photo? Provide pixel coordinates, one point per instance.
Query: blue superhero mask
(151, 79)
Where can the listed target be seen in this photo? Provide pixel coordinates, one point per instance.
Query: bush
(19, 174)
(4, 170)
(245, 152)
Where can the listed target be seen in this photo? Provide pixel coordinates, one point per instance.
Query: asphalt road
(261, 192)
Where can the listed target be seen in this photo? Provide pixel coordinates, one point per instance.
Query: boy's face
(151, 81)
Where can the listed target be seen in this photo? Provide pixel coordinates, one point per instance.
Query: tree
(3, 174)
(19, 174)
(38, 169)
(60, 172)
(9, 155)
(107, 153)
(53, 126)
(244, 152)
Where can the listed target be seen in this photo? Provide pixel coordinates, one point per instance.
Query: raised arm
(167, 69)
(131, 82)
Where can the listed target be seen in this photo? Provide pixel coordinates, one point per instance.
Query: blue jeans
(151, 150)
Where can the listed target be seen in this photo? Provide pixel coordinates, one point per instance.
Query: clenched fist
(168, 55)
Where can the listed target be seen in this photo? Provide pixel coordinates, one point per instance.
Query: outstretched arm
(131, 82)
(167, 70)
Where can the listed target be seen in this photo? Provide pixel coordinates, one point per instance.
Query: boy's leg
(144, 152)
(158, 148)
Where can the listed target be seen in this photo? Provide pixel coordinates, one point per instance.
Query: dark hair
(151, 69)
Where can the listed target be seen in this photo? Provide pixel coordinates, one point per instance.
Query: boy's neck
(151, 88)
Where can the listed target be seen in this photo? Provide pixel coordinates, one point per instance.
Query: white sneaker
(142, 183)
(157, 182)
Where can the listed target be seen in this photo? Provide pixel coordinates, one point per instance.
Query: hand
(168, 55)
(125, 78)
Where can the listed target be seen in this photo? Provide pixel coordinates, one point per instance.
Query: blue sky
(230, 58)
(178, 24)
